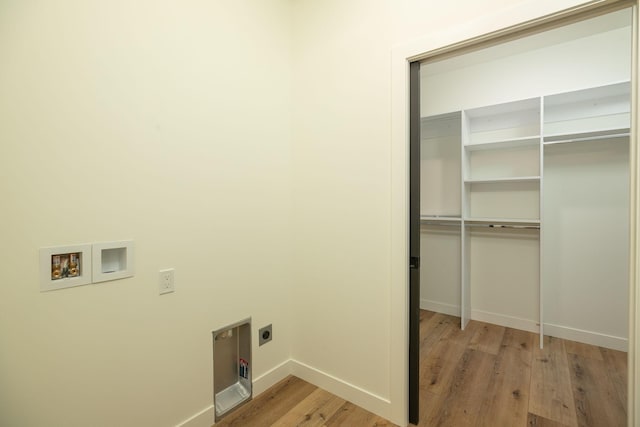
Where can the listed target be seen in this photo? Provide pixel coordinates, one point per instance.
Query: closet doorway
(519, 167)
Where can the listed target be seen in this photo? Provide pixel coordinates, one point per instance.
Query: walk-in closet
(524, 182)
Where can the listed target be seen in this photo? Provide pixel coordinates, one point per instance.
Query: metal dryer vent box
(231, 367)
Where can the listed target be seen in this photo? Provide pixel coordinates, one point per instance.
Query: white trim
(125, 267)
(204, 418)
(272, 377)
(506, 321)
(399, 281)
(633, 357)
(587, 337)
(354, 394)
(439, 307)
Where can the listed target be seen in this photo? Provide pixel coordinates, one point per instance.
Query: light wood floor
(486, 375)
(294, 402)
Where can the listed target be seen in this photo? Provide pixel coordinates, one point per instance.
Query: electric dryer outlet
(265, 334)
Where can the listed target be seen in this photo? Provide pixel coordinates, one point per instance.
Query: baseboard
(438, 307)
(587, 337)
(271, 377)
(504, 320)
(369, 401)
(204, 418)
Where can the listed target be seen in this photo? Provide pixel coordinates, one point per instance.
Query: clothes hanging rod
(470, 224)
(586, 138)
(515, 226)
(445, 223)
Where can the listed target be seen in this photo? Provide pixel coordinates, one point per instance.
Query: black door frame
(414, 241)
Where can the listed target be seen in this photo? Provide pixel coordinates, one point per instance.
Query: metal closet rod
(454, 223)
(517, 226)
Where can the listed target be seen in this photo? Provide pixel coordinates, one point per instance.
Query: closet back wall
(526, 69)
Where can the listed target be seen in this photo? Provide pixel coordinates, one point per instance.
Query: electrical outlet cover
(166, 282)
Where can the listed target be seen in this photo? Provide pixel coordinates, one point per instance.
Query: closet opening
(520, 222)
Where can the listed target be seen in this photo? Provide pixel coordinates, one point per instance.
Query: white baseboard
(369, 401)
(438, 307)
(271, 377)
(204, 418)
(504, 320)
(587, 337)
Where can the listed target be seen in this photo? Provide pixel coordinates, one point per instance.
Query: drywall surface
(587, 213)
(163, 122)
(544, 64)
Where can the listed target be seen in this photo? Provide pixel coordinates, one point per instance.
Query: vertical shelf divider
(541, 232)
(465, 293)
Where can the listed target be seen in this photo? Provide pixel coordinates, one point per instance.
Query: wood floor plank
(463, 400)
(488, 338)
(437, 369)
(270, 405)
(462, 337)
(352, 415)
(432, 329)
(506, 401)
(551, 392)
(538, 421)
(430, 404)
(426, 315)
(616, 363)
(437, 366)
(313, 411)
(596, 398)
(581, 349)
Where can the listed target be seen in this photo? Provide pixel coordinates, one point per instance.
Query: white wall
(586, 260)
(165, 122)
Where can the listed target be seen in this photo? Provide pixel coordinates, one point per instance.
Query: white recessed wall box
(65, 266)
(112, 260)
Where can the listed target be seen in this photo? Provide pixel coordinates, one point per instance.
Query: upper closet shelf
(526, 141)
(499, 180)
(497, 124)
(587, 114)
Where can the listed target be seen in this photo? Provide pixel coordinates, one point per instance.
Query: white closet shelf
(527, 141)
(503, 180)
(586, 136)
